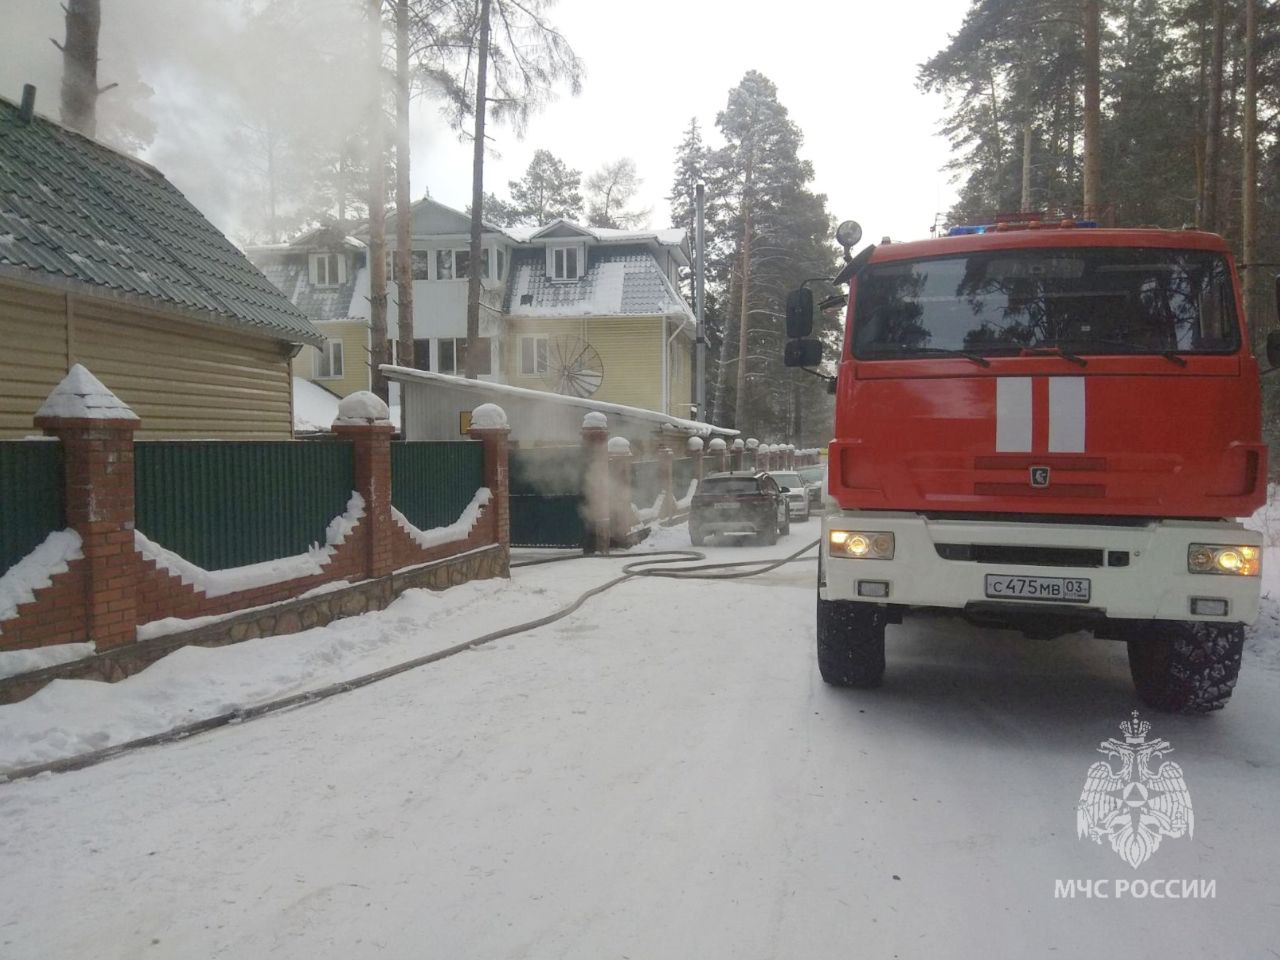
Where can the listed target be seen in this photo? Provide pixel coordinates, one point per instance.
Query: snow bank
(83, 396)
(683, 505)
(36, 570)
(219, 583)
(649, 514)
(488, 416)
(14, 662)
(360, 408)
(460, 529)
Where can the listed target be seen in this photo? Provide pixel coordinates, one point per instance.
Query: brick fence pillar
(489, 426)
(365, 420)
(719, 451)
(595, 438)
(620, 494)
(96, 429)
(694, 446)
(736, 451)
(666, 478)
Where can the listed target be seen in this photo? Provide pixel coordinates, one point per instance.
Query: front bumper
(1154, 583)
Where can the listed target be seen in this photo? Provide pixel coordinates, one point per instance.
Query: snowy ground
(661, 775)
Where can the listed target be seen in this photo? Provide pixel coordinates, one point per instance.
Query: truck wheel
(850, 643)
(786, 524)
(1185, 666)
(769, 535)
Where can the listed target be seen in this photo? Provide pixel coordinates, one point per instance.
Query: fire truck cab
(1048, 427)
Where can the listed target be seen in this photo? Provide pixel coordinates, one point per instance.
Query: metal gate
(547, 497)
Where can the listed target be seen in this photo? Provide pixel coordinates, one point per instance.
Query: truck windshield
(1077, 300)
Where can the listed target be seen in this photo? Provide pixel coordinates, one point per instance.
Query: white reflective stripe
(1013, 415)
(1066, 415)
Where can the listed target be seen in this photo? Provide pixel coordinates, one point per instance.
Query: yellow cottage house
(103, 262)
(579, 311)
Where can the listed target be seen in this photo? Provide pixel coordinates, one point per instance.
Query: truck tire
(769, 535)
(1185, 666)
(851, 643)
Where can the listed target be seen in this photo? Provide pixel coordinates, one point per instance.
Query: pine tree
(549, 190)
(609, 190)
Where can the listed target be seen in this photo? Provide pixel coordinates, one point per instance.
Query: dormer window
(565, 262)
(328, 269)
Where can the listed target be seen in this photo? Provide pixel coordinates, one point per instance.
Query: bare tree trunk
(997, 146)
(744, 316)
(1092, 110)
(404, 256)
(1249, 185)
(1027, 135)
(342, 184)
(1213, 119)
(80, 66)
(477, 199)
(377, 211)
(273, 217)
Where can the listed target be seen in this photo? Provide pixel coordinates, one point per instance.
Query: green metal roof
(73, 209)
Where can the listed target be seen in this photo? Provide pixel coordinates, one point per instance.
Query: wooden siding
(184, 379)
(354, 335)
(681, 376)
(630, 348)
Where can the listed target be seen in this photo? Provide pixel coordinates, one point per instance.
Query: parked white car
(796, 492)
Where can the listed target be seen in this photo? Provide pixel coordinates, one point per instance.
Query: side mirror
(1273, 348)
(785, 489)
(804, 353)
(800, 313)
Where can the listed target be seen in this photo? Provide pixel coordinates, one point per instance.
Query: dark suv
(744, 502)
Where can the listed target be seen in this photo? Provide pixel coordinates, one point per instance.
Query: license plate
(1062, 589)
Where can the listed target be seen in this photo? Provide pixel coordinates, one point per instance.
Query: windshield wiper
(1057, 348)
(932, 352)
(1171, 355)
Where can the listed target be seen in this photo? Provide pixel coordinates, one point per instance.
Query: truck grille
(1021, 555)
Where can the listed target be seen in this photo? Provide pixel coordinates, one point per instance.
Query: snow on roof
(314, 407)
(497, 390)
(616, 284)
(671, 236)
(82, 396)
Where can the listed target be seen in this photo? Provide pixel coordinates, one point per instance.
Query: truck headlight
(860, 544)
(1228, 559)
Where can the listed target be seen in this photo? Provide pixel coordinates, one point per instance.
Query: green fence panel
(547, 497)
(31, 488)
(432, 482)
(226, 504)
(646, 482)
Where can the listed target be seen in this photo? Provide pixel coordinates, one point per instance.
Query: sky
(845, 72)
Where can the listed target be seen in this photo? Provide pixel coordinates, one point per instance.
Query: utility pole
(404, 255)
(377, 211)
(699, 299)
(477, 199)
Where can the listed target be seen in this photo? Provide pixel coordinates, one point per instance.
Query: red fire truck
(1046, 427)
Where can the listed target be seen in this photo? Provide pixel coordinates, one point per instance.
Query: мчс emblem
(1134, 807)
(1039, 476)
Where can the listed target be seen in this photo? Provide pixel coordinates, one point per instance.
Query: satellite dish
(574, 368)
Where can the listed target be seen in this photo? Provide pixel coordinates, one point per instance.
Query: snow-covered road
(661, 775)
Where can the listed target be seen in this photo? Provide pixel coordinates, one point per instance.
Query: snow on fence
(30, 496)
(230, 504)
(432, 483)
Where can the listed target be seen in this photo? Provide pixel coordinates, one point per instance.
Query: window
(484, 263)
(421, 262)
(461, 264)
(328, 269)
(329, 361)
(533, 356)
(451, 353)
(444, 264)
(564, 263)
(502, 264)
(422, 354)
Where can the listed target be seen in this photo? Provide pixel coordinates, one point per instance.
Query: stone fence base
(288, 616)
